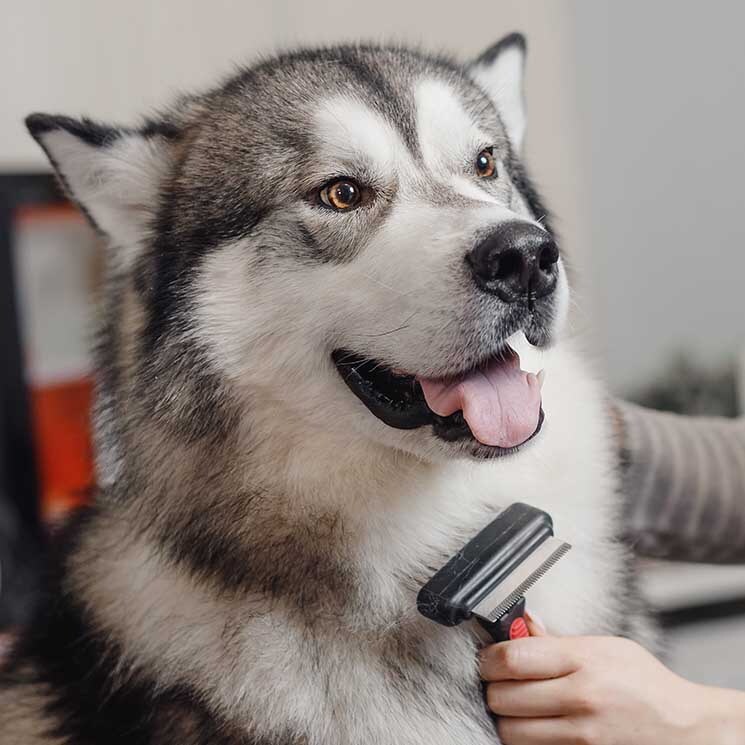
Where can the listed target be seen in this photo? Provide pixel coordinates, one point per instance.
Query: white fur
(503, 81)
(117, 183)
(350, 132)
(246, 655)
(447, 134)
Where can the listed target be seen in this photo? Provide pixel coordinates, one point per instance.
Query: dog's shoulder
(34, 713)
(66, 679)
(69, 688)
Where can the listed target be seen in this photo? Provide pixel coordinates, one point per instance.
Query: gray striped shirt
(684, 479)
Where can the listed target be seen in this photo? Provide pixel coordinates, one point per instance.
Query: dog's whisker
(404, 325)
(395, 290)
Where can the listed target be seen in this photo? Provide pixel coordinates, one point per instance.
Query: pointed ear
(114, 174)
(499, 71)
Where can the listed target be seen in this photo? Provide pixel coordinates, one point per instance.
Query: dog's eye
(486, 165)
(342, 194)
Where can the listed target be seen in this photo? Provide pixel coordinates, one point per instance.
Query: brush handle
(512, 625)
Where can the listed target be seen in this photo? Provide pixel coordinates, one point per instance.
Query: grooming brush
(489, 576)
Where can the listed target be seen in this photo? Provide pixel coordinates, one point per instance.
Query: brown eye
(341, 195)
(486, 165)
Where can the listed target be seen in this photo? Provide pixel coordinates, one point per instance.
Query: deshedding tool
(490, 575)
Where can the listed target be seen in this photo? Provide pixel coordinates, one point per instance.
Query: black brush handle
(512, 625)
(483, 563)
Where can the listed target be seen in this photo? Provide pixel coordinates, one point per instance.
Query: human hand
(601, 691)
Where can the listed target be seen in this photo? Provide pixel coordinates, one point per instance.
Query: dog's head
(334, 240)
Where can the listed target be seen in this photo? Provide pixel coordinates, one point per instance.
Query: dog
(333, 347)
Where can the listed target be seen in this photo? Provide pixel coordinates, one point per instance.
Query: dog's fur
(248, 573)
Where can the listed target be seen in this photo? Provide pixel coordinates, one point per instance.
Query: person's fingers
(535, 658)
(534, 698)
(535, 624)
(545, 731)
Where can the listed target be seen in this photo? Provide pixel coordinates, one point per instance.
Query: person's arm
(684, 482)
(604, 691)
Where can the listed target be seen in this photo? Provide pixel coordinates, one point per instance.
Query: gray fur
(259, 538)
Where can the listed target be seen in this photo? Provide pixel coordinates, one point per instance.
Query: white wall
(662, 111)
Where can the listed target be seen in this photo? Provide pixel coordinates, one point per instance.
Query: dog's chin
(398, 400)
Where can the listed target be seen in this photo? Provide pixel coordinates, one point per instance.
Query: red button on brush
(519, 629)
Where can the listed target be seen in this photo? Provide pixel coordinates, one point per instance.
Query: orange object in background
(61, 416)
(56, 258)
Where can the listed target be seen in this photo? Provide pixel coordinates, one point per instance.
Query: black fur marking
(167, 299)
(515, 39)
(140, 279)
(299, 564)
(177, 371)
(310, 244)
(90, 132)
(165, 129)
(185, 235)
(95, 133)
(193, 220)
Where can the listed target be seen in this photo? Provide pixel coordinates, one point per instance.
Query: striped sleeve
(684, 482)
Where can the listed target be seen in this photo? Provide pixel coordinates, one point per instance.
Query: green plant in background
(688, 387)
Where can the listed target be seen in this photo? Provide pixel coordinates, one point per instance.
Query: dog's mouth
(495, 403)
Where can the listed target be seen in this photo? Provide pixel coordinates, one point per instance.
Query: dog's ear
(114, 174)
(499, 71)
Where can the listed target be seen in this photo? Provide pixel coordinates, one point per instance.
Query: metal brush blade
(509, 592)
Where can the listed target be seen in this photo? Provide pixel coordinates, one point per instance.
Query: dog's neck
(317, 512)
(353, 543)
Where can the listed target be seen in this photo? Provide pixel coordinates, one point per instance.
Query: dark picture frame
(22, 537)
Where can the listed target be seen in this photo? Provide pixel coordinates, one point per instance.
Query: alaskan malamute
(331, 289)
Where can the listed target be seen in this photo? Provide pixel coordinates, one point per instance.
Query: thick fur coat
(248, 572)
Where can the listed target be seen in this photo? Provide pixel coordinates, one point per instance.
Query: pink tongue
(501, 403)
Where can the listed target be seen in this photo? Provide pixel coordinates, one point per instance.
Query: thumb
(535, 624)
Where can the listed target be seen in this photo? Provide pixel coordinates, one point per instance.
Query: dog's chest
(413, 685)
(409, 681)
(397, 678)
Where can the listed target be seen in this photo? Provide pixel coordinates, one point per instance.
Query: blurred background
(636, 116)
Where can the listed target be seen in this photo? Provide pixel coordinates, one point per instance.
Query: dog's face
(345, 239)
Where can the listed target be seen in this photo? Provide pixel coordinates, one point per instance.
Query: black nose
(516, 261)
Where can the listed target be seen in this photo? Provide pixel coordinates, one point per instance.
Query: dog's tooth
(541, 378)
